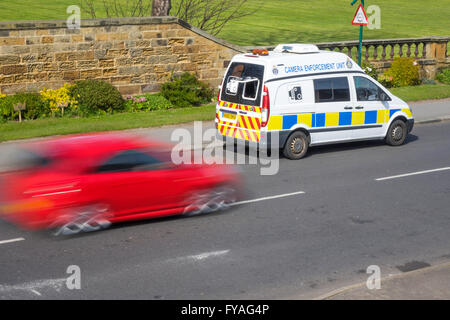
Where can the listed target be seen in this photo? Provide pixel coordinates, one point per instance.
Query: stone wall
(136, 55)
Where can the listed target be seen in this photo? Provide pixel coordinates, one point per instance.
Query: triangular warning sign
(360, 17)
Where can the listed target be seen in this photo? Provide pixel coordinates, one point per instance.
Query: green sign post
(360, 34)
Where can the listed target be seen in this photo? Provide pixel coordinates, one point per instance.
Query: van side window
(366, 90)
(332, 89)
(295, 94)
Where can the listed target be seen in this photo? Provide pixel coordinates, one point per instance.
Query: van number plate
(230, 116)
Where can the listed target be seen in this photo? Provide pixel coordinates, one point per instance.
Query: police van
(301, 96)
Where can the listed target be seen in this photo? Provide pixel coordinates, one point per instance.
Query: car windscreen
(243, 84)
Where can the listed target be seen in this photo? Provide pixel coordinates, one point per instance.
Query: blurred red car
(86, 182)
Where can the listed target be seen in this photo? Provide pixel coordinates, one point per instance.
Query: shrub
(385, 80)
(97, 97)
(369, 69)
(186, 91)
(404, 72)
(444, 76)
(60, 97)
(147, 102)
(35, 106)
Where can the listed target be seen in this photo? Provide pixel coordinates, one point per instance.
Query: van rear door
(239, 107)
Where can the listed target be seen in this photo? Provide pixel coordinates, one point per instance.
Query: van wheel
(296, 146)
(397, 133)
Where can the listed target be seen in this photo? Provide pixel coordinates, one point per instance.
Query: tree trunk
(161, 8)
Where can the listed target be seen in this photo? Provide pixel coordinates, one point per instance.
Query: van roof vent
(296, 48)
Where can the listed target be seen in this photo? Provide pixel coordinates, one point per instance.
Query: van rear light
(265, 107)
(220, 91)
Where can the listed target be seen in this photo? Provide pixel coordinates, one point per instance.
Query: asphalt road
(297, 246)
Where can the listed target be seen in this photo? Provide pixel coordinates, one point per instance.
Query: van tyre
(296, 146)
(397, 133)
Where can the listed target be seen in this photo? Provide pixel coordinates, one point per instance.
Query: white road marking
(11, 240)
(200, 257)
(268, 198)
(412, 174)
(32, 287)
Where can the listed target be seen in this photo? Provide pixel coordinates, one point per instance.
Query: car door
(132, 181)
(333, 110)
(371, 108)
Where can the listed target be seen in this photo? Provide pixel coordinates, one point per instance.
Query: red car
(86, 182)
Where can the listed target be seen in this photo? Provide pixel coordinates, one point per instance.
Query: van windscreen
(243, 84)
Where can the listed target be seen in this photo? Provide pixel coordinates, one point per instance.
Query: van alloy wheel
(397, 133)
(296, 146)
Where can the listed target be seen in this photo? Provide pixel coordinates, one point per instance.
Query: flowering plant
(59, 98)
(147, 102)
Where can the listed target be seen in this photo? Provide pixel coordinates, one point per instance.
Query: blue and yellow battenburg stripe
(333, 119)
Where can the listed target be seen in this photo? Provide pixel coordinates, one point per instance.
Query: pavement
(422, 284)
(309, 232)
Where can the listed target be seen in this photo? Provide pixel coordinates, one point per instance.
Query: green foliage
(147, 102)
(385, 80)
(35, 107)
(404, 72)
(444, 76)
(369, 69)
(186, 91)
(97, 97)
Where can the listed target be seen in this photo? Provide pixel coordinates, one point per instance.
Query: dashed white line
(34, 286)
(200, 257)
(413, 174)
(11, 240)
(269, 198)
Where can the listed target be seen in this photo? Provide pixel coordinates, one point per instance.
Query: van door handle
(359, 108)
(242, 112)
(348, 108)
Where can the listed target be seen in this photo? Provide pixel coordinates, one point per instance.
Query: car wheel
(207, 201)
(82, 219)
(397, 133)
(296, 146)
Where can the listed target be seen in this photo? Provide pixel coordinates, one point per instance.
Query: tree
(161, 7)
(208, 15)
(119, 8)
(212, 15)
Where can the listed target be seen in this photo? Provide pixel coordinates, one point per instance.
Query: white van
(308, 97)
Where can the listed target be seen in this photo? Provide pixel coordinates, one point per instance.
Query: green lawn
(289, 20)
(423, 92)
(48, 127)
(57, 126)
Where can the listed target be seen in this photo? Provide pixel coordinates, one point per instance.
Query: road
(294, 246)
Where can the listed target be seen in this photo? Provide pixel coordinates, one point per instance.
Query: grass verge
(423, 92)
(121, 121)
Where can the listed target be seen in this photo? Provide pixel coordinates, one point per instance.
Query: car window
(332, 89)
(366, 90)
(243, 83)
(129, 160)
